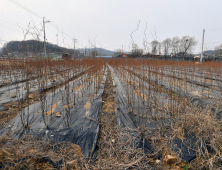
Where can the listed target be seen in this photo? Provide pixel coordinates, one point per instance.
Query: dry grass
(187, 119)
(206, 127)
(30, 153)
(112, 152)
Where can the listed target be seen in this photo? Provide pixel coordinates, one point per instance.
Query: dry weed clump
(205, 127)
(177, 81)
(35, 153)
(114, 153)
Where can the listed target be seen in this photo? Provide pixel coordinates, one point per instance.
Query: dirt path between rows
(109, 152)
(107, 145)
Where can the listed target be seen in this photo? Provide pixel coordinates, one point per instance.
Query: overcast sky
(109, 23)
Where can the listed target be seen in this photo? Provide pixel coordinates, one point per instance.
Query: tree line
(170, 46)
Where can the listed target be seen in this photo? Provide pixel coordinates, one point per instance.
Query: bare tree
(117, 52)
(145, 42)
(187, 44)
(218, 50)
(167, 43)
(155, 45)
(175, 45)
(92, 48)
(136, 51)
(1, 42)
(131, 35)
(94, 53)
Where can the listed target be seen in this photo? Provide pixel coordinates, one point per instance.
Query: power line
(114, 46)
(5, 26)
(37, 15)
(9, 23)
(55, 26)
(214, 29)
(26, 8)
(211, 42)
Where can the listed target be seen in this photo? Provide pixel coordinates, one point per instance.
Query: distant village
(177, 57)
(33, 49)
(79, 55)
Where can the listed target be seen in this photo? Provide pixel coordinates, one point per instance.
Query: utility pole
(44, 22)
(74, 40)
(122, 50)
(57, 47)
(44, 37)
(201, 58)
(85, 51)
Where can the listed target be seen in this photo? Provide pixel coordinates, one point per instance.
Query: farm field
(110, 114)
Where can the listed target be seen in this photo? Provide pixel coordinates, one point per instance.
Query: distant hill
(32, 46)
(100, 51)
(105, 52)
(210, 52)
(38, 46)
